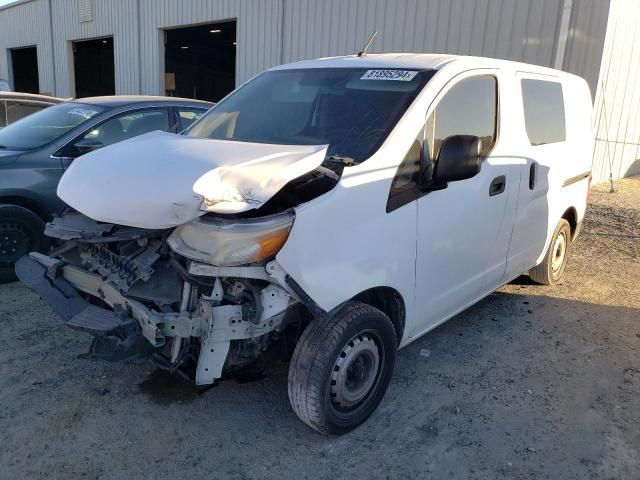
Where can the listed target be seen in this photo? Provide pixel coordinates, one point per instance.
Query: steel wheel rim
(15, 241)
(355, 372)
(559, 252)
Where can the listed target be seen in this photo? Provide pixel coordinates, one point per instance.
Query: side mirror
(86, 145)
(459, 158)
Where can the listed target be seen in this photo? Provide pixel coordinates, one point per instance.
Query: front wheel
(21, 231)
(341, 368)
(555, 260)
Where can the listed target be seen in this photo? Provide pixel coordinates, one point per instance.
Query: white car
(348, 205)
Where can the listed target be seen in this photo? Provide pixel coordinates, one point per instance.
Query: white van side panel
(570, 183)
(343, 242)
(540, 208)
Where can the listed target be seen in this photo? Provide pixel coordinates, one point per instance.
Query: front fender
(344, 243)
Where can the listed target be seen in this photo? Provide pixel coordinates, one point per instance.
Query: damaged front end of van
(170, 250)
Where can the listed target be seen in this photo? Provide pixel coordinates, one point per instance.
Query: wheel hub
(559, 252)
(355, 371)
(14, 241)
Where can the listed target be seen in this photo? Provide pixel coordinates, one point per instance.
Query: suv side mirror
(86, 145)
(459, 158)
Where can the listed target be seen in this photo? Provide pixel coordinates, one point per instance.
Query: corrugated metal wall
(523, 30)
(270, 32)
(25, 25)
(617, 151)
(275, 31)
(585, 39)
(258, 33)
(117, 18)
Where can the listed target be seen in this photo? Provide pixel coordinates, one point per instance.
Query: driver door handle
(497, 185)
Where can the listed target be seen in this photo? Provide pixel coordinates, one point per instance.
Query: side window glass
(3, 114)
(544, 116)
(469, 108)
(129, 126)
(187, 116)
(17, 110)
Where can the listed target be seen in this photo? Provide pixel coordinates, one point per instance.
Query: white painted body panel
(463, 233)
(160, 180)
(540, 208)
(344, 242)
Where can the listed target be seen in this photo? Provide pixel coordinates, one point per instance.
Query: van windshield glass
(46, 125)
(352, 110)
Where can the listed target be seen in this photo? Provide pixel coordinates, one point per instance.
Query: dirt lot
(533, 382)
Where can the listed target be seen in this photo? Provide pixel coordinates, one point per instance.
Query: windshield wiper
(341, 160)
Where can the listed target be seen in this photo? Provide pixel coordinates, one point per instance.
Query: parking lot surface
(533, 382)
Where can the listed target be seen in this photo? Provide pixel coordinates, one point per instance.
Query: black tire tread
(7, 273)
(542, 273)
(313, 350)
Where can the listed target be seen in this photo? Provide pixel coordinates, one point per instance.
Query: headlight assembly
(226, 243)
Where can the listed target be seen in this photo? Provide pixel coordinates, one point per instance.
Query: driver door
(464, 230)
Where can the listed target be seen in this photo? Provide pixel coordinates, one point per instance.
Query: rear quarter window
(544, 114)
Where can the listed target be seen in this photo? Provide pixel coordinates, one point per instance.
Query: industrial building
(205, 48)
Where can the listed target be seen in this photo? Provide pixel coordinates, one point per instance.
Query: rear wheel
(555, 260)
(21, 231)
(341, 368)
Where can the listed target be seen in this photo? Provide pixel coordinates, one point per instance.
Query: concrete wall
(617, 121)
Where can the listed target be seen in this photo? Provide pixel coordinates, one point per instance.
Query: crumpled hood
(161, 180)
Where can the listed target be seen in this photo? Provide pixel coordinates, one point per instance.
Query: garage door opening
(24, 63)
(93, 67)
(200, 62)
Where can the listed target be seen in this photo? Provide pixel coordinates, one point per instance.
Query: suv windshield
(350, 109)
(46, 125)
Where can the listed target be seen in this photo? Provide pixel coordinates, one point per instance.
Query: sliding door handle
(532, 175)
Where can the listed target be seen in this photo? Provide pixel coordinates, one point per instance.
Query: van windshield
(351, 109)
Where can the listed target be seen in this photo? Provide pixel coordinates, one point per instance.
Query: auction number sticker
(83, 112)
(399, 75)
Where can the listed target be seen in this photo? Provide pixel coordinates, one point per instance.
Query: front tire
(21, 232)
(552, 267)
(341, 368)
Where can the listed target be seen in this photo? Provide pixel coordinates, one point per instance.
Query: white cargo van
(345, 206)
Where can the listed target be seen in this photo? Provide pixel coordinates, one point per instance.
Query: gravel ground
(533, 382)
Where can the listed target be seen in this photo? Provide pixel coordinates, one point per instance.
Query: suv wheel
(21, 231)
(341, 368)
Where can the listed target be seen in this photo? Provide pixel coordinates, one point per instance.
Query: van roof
(376, 60)
(421, 61)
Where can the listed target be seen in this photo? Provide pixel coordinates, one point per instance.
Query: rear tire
(21, 232)
(341, 368)
(552, 267)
